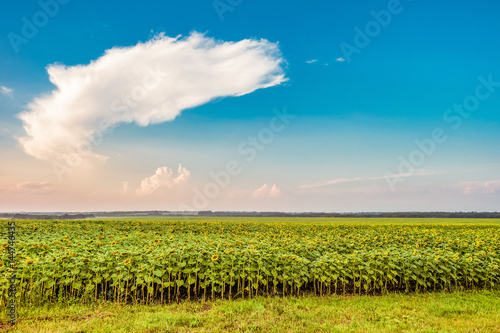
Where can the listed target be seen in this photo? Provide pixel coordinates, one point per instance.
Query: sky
(235, 105)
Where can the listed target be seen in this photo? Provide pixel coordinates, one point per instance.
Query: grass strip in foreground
(431, 312)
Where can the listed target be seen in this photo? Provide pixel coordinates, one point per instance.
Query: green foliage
(151, 261)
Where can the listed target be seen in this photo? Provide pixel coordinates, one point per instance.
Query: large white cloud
(148, 83)
(163, 178)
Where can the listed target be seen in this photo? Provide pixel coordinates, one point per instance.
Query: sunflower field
(162, 261)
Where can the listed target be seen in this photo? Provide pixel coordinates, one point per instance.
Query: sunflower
(126, 262)
(215, 257)
(229, 251)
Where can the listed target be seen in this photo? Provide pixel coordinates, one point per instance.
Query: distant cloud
(340, 59)
(311, 61)
(163, 178)
(482, 187)
(420, 172)
(36, 187)
(267, 192)
(7, 91)
(338, 181)
(149, 83)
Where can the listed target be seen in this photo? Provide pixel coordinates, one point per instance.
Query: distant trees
(484, 215)
(47, 217)
(209, 213)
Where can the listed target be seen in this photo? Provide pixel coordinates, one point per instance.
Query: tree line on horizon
(209, 213)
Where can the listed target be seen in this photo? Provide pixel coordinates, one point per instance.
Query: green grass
(436, 312)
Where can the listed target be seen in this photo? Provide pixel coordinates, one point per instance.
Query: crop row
(148, 261)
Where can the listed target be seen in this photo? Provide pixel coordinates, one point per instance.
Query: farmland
(164, 260)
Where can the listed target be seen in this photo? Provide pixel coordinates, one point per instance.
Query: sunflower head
(215, 257)
(126, 262)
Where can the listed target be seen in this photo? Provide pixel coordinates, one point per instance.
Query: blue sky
(355, 115)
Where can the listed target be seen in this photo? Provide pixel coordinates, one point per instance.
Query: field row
(149, 261)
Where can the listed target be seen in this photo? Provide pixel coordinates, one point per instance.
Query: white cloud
(267, 192)
(340, 59)
(338, 181)
(36, 187)
(482, 187)
(311, 61)
(163, 178)
(7, 91)
(419, 172)
(148, 83)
